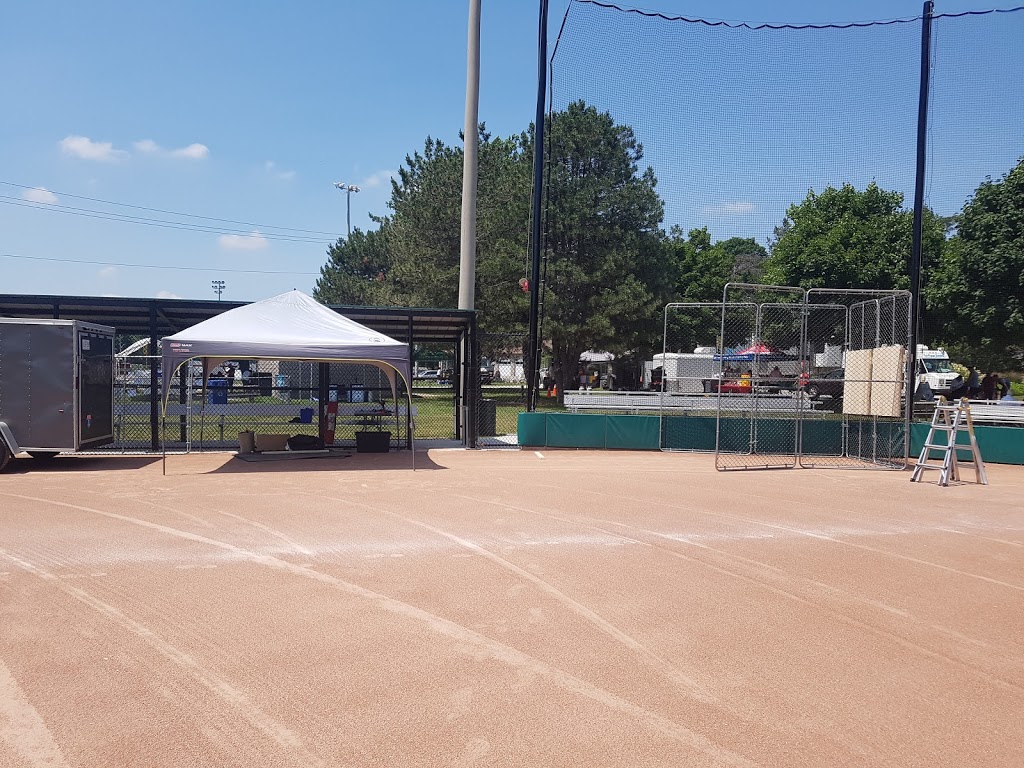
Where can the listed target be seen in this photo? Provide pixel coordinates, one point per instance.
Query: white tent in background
(292, 326)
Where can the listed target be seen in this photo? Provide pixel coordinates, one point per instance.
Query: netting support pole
(922, 151)
(155, 435)
(533, 343)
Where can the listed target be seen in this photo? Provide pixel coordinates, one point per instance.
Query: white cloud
(271, 167)
(39, 195)
(107, 272)
(730, 208)
(377, 179)
(87, 149)
(191, 152)
(167, 295)
(147, 146)
(254, 241)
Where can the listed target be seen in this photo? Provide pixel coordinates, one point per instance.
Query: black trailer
(56, 387)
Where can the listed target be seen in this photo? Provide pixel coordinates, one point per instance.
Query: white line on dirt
(462, 635)
(23, 728)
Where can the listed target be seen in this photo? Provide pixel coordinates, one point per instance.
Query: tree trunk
(567, 361)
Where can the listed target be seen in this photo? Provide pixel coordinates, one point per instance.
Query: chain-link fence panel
(686, 375)
(335, 402)
(857, 392)
(758, 414)
(434, 392)
(502, 379)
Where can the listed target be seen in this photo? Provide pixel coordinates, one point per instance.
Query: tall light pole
(470, 138)
(348, 189)
(218, 287)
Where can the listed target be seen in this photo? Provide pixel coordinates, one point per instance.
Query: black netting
(739, 123)
(794, 148)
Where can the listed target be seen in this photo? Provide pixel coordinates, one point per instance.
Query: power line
(154, 266)
(162, 223)
(175, 213)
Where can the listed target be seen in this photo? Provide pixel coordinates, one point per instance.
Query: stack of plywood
(874, 381)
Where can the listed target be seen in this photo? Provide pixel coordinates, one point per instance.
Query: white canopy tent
(291, 326)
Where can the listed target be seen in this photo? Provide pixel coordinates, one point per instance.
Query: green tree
(607, 277)
(978, 289)
(357, 270)
(701, 270)
(849, 238)
(420, 237)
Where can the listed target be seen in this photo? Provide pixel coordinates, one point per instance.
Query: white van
(933, 366)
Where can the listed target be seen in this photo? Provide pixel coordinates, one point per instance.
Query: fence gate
(502, 391)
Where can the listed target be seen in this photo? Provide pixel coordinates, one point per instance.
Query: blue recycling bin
(282, 387)
(305, 415)
(218, 392)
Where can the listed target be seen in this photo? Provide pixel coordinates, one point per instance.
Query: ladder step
(927, 466)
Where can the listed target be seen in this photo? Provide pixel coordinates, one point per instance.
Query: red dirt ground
(507, 609)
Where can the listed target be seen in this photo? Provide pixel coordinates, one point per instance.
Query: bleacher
(996, 412)
(681, 403)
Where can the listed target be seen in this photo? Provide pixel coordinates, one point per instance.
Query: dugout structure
(271, 395)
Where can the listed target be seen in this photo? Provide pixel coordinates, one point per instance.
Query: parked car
(829, 384)
(428, 375)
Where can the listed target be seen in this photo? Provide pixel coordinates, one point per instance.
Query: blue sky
(249, 112)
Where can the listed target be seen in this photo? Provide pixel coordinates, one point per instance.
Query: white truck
(682, 371)
(933, 367)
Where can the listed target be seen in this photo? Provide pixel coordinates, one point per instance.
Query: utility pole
(348, 189)
(218, 287)
(470, 380)
(470, 130)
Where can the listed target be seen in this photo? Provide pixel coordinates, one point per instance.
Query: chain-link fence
(761, 352)
(686, 374)
(860, 394)
(779, 377)
(265, 397)
(502, 388)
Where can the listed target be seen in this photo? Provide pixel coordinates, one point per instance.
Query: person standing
(1005, 390)
(988, 386)
(973, 382)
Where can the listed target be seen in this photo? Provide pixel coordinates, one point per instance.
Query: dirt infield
(507, 609)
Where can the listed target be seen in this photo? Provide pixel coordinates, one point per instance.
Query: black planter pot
(373, 442)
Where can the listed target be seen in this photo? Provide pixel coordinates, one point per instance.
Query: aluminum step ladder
(953, 419)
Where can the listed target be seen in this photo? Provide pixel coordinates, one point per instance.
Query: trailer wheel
(43, 455)
(5, 454)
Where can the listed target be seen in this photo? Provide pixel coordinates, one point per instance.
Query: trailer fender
(6, 450)
(8, 437)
